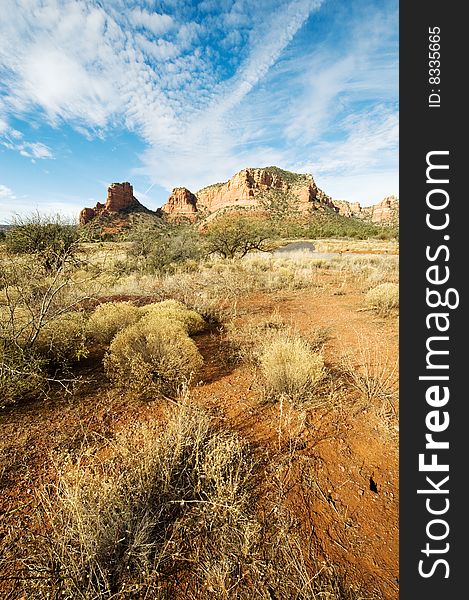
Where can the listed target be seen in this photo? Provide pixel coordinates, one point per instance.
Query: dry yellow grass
(290, 367)
(173, 310)
(384, 298)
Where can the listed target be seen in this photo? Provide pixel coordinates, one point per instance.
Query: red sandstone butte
(181, 203)
(120, 197)
(247, 189)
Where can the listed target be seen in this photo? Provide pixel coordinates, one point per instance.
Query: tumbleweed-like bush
(110, 318)
(155, 356)
(383, 298)
(173, 310)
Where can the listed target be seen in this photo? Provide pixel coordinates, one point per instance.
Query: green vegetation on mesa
(288, 176)
(326, 223)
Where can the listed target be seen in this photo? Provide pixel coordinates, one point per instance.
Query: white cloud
(6, 194)
(207, 145)
(363, 166)
(93, 66)
(12, 139)
(29, 149)
(159, 50)
(37, 150)
(154, 22)
(372, 138)
(366, 188)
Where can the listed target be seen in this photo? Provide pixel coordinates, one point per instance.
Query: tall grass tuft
(290, 366)
(384, 298)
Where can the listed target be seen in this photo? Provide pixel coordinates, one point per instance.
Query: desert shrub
(52, 239)
(244, 341)
(31, 297)
(110, 318)
(165, 246)
(21, 373)
(383, 298)
(173, 512)
(290, 366)
(154, 356)
(373, 372)
(63, 339)
(175, 311)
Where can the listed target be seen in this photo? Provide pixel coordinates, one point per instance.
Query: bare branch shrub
(372, 372)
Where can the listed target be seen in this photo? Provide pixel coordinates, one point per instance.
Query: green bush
(63, 339)
(52, 239)
(166, 246)
(235, 234)
(153, 356)
(21, 373)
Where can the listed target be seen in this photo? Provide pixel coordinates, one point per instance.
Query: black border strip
(425, 128)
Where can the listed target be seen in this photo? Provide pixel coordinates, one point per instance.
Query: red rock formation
(386, 211)
(349, 209)
(120, 197)
(181, 203)
(86, 215)
(247, 189)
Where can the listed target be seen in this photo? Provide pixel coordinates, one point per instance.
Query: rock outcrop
(265, 190)
(250, 188)
(181, 203)
(385, 212)
(120, 198)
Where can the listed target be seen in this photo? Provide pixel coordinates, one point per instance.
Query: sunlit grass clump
(174, 311)
(290, 366)
(110, 318)
(384, 298)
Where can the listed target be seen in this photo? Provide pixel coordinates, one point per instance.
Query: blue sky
(166, 93)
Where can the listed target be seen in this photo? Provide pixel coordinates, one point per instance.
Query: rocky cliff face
(385, 212)
(181, 203)
(249, 189)
(265, 189)
(120, 198)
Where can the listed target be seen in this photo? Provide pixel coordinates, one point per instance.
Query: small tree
(163, 245)
(234, 235)
(52, 239)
